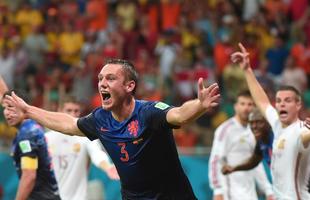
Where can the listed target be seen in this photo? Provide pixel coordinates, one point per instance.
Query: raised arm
(260, 97)
(61, 122)
(208, 98)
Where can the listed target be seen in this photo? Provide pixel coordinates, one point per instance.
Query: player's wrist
(27, 111)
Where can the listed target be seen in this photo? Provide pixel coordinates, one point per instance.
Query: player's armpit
(29, 163)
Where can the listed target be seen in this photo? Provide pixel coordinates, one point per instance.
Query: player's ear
(130, 86)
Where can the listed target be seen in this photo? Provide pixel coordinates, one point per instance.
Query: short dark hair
(244, 93)
(21, 93)
(129, 69)
(290, 88)
(68, 99)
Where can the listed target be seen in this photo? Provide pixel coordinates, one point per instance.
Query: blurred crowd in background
(53, 47)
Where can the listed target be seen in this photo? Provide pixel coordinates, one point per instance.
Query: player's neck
(125, 110)
(242, 122)
(284, 125)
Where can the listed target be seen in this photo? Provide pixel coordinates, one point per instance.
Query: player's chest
(285, 144)
(129, 148)
(241, 141)
(122, 131)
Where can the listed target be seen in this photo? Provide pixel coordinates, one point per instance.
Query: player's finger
(17, 98)
(200, 84)
(236, 54)
(216, 98)
(8, 100)
(243, 50)
(214, 89)
(235, 57)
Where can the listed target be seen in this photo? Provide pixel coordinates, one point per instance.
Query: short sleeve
(88, 126)
(300, 144)
(155, 114)
(28, 147)
(273, 118)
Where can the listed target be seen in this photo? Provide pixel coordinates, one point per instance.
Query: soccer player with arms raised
(290, 156)
(137, 134)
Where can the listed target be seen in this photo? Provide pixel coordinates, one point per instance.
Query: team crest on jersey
(161, 105)
(133, 128)
(76, 147)
(281, 144)
(25, 146)
(242, 140)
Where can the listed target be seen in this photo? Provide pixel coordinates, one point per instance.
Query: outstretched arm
(249, 164)
(208, 98)
(61, 122)
(257, 92)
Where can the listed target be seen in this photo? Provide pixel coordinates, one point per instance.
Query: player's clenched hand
(209, 97)
(18, 104)
(226, 169)
(241, 57)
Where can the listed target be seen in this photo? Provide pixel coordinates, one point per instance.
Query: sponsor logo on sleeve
(161, 105)
(25, 146)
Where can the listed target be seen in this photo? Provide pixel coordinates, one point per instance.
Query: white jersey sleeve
(301, 147)
(96, 152)
(217, 157)
(262, 180)
(273, 119)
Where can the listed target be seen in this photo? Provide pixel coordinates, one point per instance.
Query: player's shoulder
(157, 105)
(227, 124)
(226, 127)
(99, 112)
(31, 130)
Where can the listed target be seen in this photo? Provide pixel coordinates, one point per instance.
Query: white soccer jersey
(290, 160)
(70, 158)
(234, 144)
